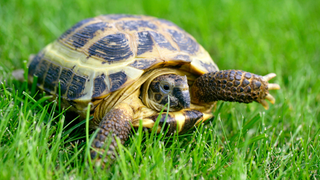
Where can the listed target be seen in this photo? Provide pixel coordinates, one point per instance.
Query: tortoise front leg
(115, 124)
(233, 85)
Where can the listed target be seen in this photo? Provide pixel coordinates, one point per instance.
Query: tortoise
(127, 68)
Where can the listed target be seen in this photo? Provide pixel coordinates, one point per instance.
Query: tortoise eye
(166, 87)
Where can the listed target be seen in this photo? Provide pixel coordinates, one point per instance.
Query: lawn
(37, 140)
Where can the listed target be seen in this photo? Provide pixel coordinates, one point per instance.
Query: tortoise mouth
(183, 97)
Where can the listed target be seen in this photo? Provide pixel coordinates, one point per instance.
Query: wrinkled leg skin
(115, 124)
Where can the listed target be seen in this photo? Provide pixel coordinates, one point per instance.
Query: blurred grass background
(244, 141)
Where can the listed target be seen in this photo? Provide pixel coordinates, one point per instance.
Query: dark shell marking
(81, 37)
(169, 23)
(77, 86)
(49, 75)
(183, 57)
(208, 67)
(161, 41)
(41, 70)
(143, 63)
(192, 116)
(73, 28)
(51, 80)
(99, 86)
(117, 80)
(170, 123)
(120, 16)
(185, 43)
(145, 42)
(114, 47)
(65, 79)
(135, 25)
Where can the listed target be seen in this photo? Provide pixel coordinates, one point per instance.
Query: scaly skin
(115, 124)
(230, 85)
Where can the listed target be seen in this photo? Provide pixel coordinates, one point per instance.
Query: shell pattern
(100, 55)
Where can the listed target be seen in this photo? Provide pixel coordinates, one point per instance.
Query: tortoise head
(169, 87)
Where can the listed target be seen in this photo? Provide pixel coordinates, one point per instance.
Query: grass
(37, 141)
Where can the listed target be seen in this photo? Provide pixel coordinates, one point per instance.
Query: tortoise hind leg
(115, 124)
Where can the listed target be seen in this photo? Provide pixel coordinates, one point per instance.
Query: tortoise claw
(269, 76)
(272, 86)
(264, 104)
(270, 98)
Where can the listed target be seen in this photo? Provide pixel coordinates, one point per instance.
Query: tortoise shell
(101, 55)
